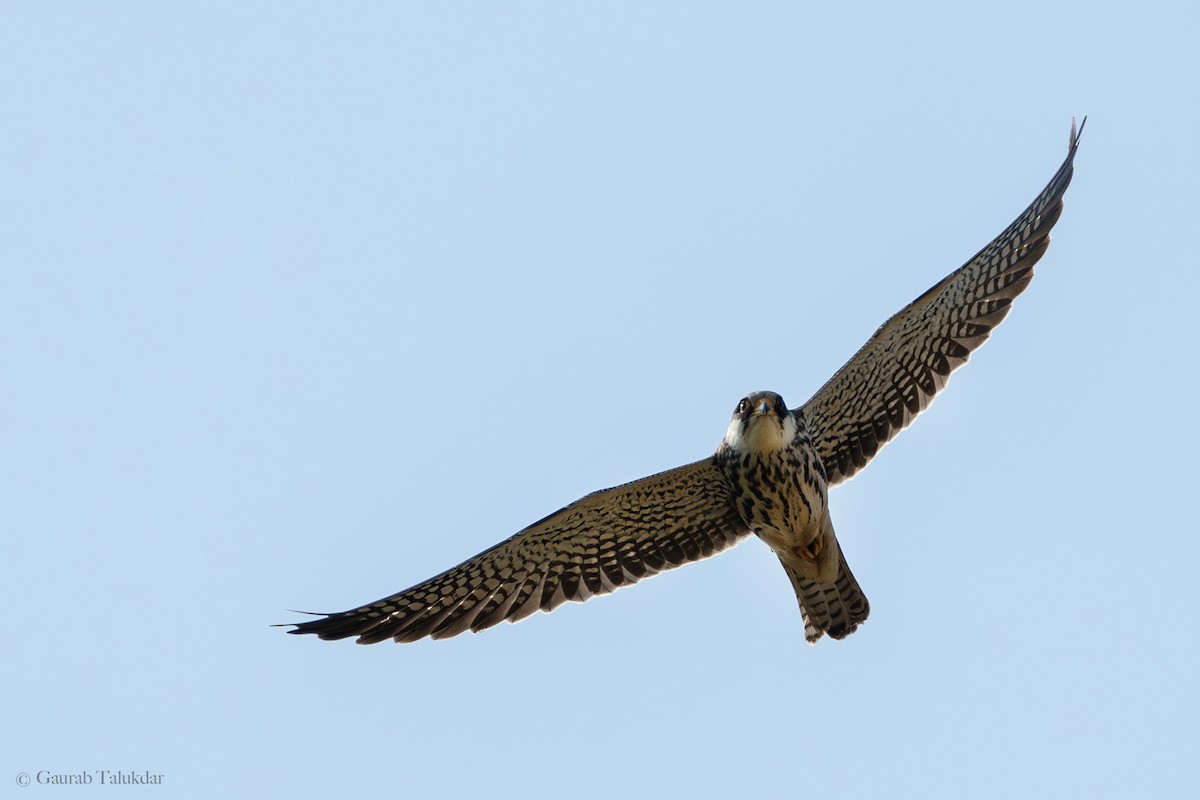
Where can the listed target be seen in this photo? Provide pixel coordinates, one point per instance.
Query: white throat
(761, 434)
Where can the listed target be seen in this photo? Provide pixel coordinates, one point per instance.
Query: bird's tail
(830, 604)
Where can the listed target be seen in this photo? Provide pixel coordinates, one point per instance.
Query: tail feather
(836, 607)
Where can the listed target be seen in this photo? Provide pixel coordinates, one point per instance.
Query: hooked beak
(764, 407)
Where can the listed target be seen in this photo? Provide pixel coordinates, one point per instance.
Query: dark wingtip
(1076, 132)
(370, 627)
(294, 611)
(320, 626)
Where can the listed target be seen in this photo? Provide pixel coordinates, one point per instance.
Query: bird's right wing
(895, 375)
(597, 544)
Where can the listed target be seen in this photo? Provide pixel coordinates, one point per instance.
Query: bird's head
(761, 424)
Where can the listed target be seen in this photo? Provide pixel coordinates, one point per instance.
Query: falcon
(769, 477)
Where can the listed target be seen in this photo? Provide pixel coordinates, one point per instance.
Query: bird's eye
(743, 406)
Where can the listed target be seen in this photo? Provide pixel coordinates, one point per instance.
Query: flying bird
(769, 477)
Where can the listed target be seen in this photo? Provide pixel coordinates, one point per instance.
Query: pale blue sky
(305, 303)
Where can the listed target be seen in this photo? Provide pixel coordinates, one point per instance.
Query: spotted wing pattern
(896, 374)
(604, 541)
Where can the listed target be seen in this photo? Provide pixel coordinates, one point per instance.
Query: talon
(812, 550)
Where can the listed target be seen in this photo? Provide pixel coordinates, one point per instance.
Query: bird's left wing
(597, 544)
(895, 375)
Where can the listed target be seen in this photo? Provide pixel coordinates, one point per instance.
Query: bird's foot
(812, 550)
